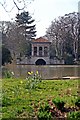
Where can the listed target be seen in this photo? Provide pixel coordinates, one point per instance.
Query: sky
(43, 11)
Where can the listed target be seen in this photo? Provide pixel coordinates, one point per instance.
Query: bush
(44, 112)
(44, 107)
(77, 103)
(59, 103)
(69, 60)
(74, 115)
(7, 74)
(33, 80)
(6, 56)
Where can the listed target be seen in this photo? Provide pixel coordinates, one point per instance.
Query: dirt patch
(61, 114)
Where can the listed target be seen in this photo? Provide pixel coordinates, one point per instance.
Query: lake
(46, 71)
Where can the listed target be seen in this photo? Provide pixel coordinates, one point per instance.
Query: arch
(40, 62)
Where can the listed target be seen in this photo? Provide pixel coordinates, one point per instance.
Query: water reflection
(46, 71)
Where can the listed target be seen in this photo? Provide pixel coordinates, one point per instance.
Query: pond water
(46, 71)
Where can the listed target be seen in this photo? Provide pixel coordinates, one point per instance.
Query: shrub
(77, 103)
(44, 107)
(74, 115)
(7, 74)
(44, 112)
(69, 59)
(6, 56)
(59, 103)
(33, 80)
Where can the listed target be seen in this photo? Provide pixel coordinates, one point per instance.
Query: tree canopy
(63, 32)
(17, 35)
(25, 20)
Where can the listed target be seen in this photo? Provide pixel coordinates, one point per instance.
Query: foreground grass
(19, 102)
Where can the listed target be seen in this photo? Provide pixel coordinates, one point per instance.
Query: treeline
(64, 33)
(17, 35)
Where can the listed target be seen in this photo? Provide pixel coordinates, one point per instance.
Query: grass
(19, 102)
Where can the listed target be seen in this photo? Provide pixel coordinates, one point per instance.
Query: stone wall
(56, 61)
(34, 59)
(25, 60)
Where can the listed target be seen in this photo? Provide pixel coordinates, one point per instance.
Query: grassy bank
(19, 102)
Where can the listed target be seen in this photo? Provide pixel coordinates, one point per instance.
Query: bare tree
(13, 38)
(63, 32)
(16, 36)
(19, 4)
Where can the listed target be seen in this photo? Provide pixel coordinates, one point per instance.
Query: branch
(3, 5)
(17, 5)
(15, 2)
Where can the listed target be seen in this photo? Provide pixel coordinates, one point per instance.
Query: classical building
(40, 54)
(40, 51)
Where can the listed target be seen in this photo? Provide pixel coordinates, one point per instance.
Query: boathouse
(40, 51)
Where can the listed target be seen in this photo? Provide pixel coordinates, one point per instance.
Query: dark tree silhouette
(6, 56)
(25, 20)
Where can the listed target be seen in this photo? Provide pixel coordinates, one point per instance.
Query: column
(43, 51)
(37, 50)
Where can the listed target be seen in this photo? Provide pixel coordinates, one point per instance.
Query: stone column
(43, 51)
(37, 50)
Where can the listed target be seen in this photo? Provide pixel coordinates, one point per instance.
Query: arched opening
(40, 62)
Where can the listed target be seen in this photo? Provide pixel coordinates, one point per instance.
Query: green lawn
(20, 102)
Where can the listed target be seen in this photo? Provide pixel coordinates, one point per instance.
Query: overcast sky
(43, 11)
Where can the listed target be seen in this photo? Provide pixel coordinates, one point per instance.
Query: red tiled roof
(40, 40)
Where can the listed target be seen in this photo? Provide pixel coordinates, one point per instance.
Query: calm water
(46, 71)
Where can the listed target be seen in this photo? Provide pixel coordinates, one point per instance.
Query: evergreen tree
(25, 21)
